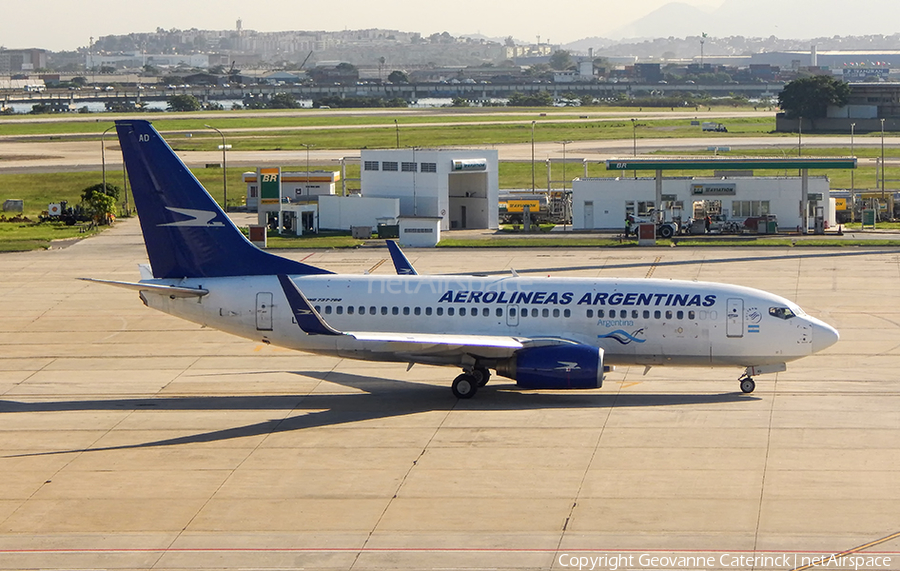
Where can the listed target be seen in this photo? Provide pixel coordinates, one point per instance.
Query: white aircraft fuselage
(635, 321)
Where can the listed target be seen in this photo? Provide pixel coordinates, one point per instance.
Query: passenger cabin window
(450, 311)
(462, 311)
(339, 309)
(440, 311)
(567, 313)
(427, 311)
(781, 312)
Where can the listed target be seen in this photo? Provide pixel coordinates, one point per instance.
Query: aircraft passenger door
(734, 324)
(264, 311)
(512, 315)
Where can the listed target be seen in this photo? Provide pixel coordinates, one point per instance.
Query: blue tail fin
(401, 263)
(185, 231)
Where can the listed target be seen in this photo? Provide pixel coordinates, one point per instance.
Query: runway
(133, 440)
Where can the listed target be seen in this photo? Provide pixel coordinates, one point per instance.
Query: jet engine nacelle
(555, 367)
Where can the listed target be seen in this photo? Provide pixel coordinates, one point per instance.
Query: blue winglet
(307, 317)
(401, 263)
(185, 231)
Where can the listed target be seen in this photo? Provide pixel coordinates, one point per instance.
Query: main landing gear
(747, 384)
(467, 384)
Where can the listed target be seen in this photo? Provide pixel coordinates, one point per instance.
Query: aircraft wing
(422, 344)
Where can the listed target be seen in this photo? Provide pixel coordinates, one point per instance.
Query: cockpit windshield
(781, 312)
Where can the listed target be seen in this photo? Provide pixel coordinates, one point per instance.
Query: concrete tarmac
(130, 439)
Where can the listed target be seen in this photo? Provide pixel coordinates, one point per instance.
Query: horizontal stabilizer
(172, 291)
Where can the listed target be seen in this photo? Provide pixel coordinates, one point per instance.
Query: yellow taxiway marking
(849, 552)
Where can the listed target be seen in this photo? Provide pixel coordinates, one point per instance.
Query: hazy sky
(68, 24)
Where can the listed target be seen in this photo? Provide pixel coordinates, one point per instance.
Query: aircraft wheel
(482, 376)
(747, 385)
(465, 386)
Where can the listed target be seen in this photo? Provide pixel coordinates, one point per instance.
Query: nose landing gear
(747, 384)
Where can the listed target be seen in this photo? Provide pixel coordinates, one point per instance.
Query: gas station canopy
(729, 163)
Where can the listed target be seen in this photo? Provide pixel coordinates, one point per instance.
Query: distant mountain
(674, 19)
(765, 18)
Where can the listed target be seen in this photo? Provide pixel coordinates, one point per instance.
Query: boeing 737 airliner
(544, 333)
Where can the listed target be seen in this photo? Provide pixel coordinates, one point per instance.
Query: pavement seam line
(409, 470)
(587, 469)
(765, 470)
(288, 414)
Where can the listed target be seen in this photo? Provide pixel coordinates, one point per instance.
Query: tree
(184, 103)
(398, 77)
(560, 60)
(810, 97)
(283, 101)
(539, 99)
(100, 202)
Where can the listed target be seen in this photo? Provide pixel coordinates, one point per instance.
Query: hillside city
(371, 55)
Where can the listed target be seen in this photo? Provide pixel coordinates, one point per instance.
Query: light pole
(634, 138)
(852, 154)
(532, 156)
(397, 128)
(307, 146)
(103, 155)
(634, 141)
(800, 137)
(883, 173)
(564, 143)
(223, 146)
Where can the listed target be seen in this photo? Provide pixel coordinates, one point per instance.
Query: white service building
(459, 186)
(603, 203)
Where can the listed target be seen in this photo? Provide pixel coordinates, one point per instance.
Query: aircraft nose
(823, 335)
